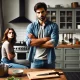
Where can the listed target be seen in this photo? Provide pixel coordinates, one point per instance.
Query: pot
(74, 4)
(3, 70)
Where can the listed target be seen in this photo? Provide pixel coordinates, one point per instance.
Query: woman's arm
(9, 51)
(10, 56)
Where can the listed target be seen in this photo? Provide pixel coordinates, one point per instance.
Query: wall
(11, 11)
(52, 3)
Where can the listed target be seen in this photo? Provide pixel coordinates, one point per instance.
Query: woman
(7, 50)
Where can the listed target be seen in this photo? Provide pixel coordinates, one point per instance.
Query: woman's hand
(10, 56)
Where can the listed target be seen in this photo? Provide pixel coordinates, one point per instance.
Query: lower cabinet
(59, 58)
(67, 58)
(59, 65)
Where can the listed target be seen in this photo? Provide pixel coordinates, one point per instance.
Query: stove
(21, 53)
(21, 48)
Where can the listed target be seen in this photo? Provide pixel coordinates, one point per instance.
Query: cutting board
(36, 74)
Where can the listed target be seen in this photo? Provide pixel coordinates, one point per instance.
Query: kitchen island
(24, 76)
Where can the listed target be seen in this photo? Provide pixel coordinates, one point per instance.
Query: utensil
(71, 38)
(66, 38)
(63, 38)
(50, 73)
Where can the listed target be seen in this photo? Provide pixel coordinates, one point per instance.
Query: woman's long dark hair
(6, 38)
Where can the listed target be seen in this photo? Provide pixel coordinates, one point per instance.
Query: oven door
(21, 58)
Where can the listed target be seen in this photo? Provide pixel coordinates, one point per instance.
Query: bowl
(18, 72)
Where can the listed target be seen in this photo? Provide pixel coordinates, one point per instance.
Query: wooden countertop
(68, 46)
(24, 76)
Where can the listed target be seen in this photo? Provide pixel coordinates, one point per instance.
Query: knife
(50, 73)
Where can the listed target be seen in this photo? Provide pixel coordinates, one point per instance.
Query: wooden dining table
(25, 77)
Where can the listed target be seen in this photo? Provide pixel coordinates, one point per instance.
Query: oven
(21, 53)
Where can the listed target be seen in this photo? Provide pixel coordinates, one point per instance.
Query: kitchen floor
(72, 74)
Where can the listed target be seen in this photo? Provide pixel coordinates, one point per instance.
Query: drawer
(71, 52)
(71, 65)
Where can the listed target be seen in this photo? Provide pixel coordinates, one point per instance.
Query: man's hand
(46, 38)
(37, 41)
(31, 36)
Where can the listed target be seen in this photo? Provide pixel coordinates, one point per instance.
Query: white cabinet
(67, 58)
(77, 20)
(71, 58)
(59, 58)
(68, 19)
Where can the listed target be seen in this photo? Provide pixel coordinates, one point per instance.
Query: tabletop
(25, 77)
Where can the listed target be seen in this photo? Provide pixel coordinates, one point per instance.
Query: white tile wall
(20, 29)
(77, 35)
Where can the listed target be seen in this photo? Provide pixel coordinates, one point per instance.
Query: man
(42, 36)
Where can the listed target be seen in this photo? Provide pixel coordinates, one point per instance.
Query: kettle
(3, 69)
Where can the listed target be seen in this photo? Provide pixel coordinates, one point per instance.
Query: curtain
(1, 21)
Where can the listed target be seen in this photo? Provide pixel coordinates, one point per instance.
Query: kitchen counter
(24, 76)
(68, 46)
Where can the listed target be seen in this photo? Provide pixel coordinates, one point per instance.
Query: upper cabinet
(77, 20)
(68, 19)
(52, 15)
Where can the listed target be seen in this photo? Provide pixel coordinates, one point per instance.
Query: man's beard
(42, 18)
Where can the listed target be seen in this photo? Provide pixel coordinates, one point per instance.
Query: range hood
(21, 18)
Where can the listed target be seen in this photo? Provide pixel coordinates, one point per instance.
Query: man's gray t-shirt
(6, 48)
(41, 53)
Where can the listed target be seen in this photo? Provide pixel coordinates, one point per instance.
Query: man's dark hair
(40, 5)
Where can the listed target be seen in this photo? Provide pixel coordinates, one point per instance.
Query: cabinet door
(71, 58)
(59, 54)
(72, 65)
(71, 54)
(77, 20)
(52, 15)
(59, 65)
(59, 58)
(66, 20)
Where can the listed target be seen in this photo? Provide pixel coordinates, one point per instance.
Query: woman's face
(10, 34)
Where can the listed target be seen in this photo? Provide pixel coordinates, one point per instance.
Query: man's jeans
(12, 64)
(42, 64)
